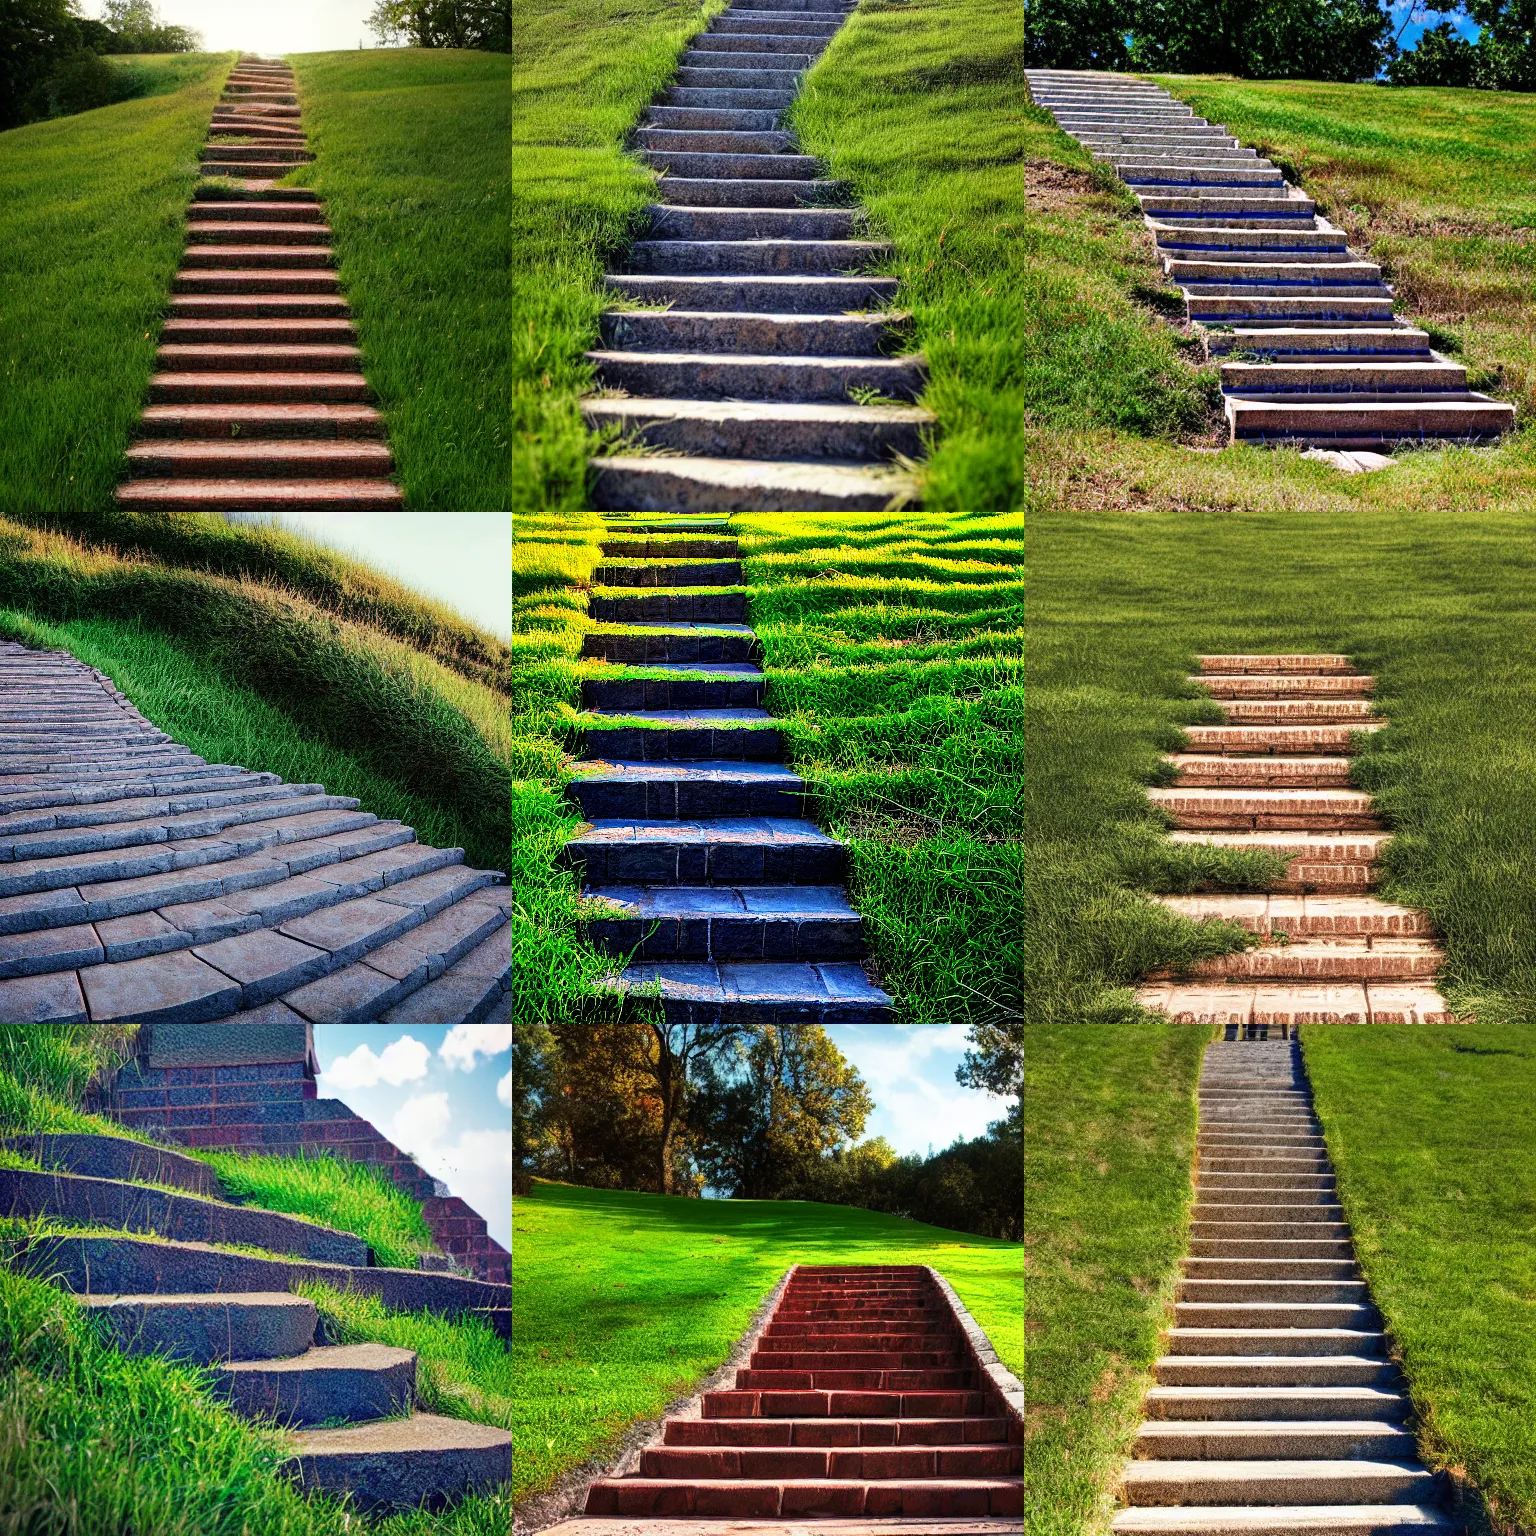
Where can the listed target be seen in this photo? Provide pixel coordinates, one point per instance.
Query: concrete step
(720, 851)
(744, 376)
(1222, 1404)
(1219, 1372)
(775, 167)
(1367, 418)
(1362, 376)
(745, 485)
(349, 1381)
(206, 1329)
(1275, 1440)
(1356, 1481)
(755, 98)
(1234, 309)
(1356, 342)
(1295, 1340)
(738, 78)
(1285, 1520)
(1201, 271)
(716, 141)
(798, 254)
(253, 459)
(247, 332)
(734, 42)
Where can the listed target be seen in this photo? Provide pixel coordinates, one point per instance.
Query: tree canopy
(483, 24)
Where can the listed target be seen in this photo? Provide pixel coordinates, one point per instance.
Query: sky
(1414, 19)
(461, 558)
(268, 26)
(441, 1093)
(910, 1070)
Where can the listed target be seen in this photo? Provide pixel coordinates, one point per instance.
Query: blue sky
(442, 1093)
(1415, 19)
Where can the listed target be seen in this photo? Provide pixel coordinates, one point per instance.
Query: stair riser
(708, 377)
(776, 438)
(639, 744)
(708, 865)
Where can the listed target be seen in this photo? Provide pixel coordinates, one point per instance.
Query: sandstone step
(423, 1461)
(726, 376)
(233, 422)
(1267, 810)
(745, 485)
(1209, 770)
(187, 495)
(252, 458)
(1287, 684)
(207, 1329)
(737, 430)
(722, 851)
(349, 1381)
(770, 992)
(806, 295)
(1356, 1481)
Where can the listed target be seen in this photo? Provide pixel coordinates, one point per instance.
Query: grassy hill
(624, 1302)
(893, 647)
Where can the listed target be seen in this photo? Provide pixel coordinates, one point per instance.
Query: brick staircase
(729, 898)
(139, 883)
(862, 1399)
(1275, 776)
(1312, 352)
(1278, 1410)
(748, 379)
(259, 400)
(271, 1108)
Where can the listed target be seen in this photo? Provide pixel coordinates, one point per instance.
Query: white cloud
(477, 1167)
(403, 1061)
(466, 1042)
(420, 1123)
(504, 1090)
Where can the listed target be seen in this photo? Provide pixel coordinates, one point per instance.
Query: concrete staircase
(258, 401)
(1275, 776)
(139, 883)
(698, 836)
(1312, 353)
(351, 1407)
(1277, 1409)
(863, 1398)
(759, 329)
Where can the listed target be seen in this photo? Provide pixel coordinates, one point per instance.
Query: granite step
(746, 485)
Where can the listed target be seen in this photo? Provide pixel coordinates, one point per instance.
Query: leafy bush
(1443, 57)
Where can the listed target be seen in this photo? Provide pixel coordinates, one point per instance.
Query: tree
(1443, 57)
(1263, 39)
(1505, 52)
(484, 24)
(140, 30)
(36, 36)
(995, 1062)
(1077, 34)
(533, 1062)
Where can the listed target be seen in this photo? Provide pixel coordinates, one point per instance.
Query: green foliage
(485, 24)
(1441, 57)
(1077, 34)
(58, 1061)
(411, 159)
(626, 1302)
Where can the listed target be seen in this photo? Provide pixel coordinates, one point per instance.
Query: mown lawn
(623, 1302)
(92, 215)
(1431, 1133)
(411, 153)
(1109, 1144)
(893, 648)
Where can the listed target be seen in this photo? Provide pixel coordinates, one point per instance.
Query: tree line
(1285, 39)
(483, 24)
(758, 1112)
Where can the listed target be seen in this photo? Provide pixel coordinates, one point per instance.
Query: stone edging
(1006, 1385)
(569, 1496)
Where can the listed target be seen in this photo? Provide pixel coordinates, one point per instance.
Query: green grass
(583, 73)
(1107, 1191)
(95, 206)
(1431, 1132)
(159, 74)
(623, 1302)
(916, 104)
(411, 159)
(893, 649)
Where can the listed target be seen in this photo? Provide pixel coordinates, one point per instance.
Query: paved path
(861, 1399)
(1312, 352)
(699, 835)
(1277, 1408)
(139, 883)
(1275, 776)
(750, 377)
(258, 400)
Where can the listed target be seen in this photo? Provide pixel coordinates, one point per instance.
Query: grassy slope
(1111, 1123)
(90, 236)
(1431, 1133)
(916, 106)
(623, 1302)
(583, 72)
(411, 157)
(893, 648)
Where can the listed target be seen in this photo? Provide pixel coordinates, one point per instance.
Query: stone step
(737, 42)
(753, 97)
(1275, 1404)
(677, 736)
(268, 170)
(745, 193)
(768, 23)
(1274, 1440)
(663, 572)
(741, 689)
(780, 992)
(275, 151)
(285, 459)
(727, 924)
(347, 1381)
(729, 376)
(1200, 271)
(660, 548)
(772, 255)
(736, 430)
(1236, 308)
(1296, 1341)
(676, 644)
(1269, 1372)
(727, 851)
(200, 386)
(1368, 418)
(1362, 376)
(1344, 343)
(835, 1432)
(116, 1157)
(746, 485)
(274, 495)
(207, 1329)
(739, 119)
(716, 167)
(615, 606)
(824, 1496)
(233, 422)
(736, 78)
(716, 141)
(686, 791)
(682, 222)
(1285, 1520)
(803, 295)
(399, 1465)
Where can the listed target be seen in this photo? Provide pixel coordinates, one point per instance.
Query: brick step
(803, 1336)
(234, 422)
(1304, 916)
(245, 387)
(1285, 684)
(729, 376)
(743, 485)
(249, 212)
(269, 332)
(862, 1381)
(838, 1313)
(1267, 810)
(236, 495)
(1201, 770)
(808, 1358)
(835, 1432)
(690, 1463)
(787, 294)
(906, 1403)
(935, 1496)
(724, 851)
(254, 459)
(290, 283)
(1285, 737)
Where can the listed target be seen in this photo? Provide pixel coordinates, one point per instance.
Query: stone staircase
(1277, 1408)
(1275, 776)
(698, 836)
(760, 332)
(863, 1398)
(1312, 353)
(258, 401)
(139, 883)
(352, 1408)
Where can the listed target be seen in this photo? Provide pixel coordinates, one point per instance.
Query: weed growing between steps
(463, 1369)
(1142, 556)
(1107, 1192)
(625, 1302)
(916, 104)
(94, 212)
(585, 70)
(86, 1435)
(1431, 1131)
(334, 1192)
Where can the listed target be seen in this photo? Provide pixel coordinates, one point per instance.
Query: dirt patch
(1053, 188)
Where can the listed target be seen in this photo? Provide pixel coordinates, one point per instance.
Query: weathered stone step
(787, 294)
(731, 429)
(232, 422)
(732, 376)
(403, 1464)
(774, 100)
(628, 791)
(716, 141)
(207, 1329)
(722, 851)
(1332, 378)
(116, 1157)
(474, 989)
(745, 485)
(289, 458)
(682, 222)
(347, 1381)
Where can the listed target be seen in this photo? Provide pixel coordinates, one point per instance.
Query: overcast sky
(268, 26)
(443, 1094)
